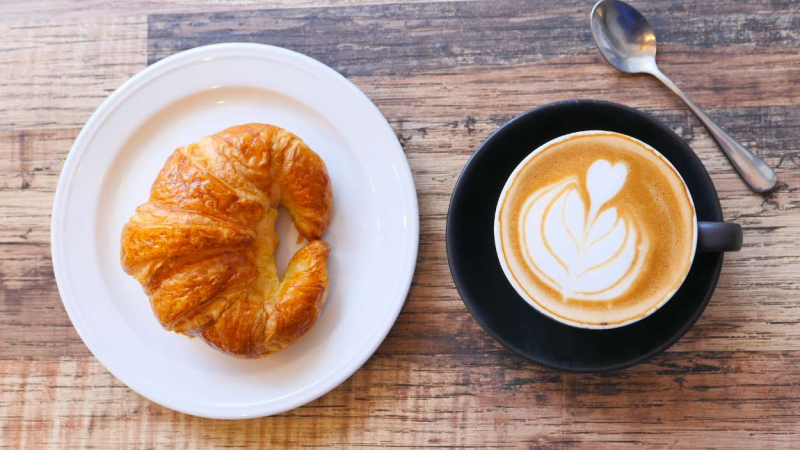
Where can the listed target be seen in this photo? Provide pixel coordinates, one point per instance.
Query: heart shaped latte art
(584, 251)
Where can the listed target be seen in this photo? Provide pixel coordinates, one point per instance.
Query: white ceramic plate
(373, 234)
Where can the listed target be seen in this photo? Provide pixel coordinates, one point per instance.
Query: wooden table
(445, 74)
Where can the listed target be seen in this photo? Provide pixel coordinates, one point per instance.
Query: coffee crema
(597, 228)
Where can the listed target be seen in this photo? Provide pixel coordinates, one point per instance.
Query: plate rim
(153, 72)
(459, 282)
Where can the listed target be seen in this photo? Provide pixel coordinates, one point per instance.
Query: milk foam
(595, 229)
(584, 251)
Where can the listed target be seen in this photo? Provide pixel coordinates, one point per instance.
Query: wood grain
(445, 74)
(61, 9)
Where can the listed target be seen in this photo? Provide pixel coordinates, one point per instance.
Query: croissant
(203, 245)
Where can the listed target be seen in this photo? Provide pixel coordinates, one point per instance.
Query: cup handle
(719, 237)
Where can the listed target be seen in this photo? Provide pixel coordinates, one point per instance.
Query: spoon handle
(753, 170)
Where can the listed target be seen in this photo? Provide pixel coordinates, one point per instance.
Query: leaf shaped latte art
(586, 252)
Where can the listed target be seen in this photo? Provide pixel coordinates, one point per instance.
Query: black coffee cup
(706, 236)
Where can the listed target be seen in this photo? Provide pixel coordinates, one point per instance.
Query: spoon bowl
(624, 37)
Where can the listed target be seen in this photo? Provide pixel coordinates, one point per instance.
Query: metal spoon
(627, 41)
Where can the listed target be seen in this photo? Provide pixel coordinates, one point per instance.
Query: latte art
(595, 229)
(584, 251)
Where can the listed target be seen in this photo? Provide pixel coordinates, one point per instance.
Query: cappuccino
(596, 229)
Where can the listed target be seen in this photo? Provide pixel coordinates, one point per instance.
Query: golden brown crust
(203, 245)
(302, 174)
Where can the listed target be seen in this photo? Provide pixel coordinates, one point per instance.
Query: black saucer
(494, 303)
